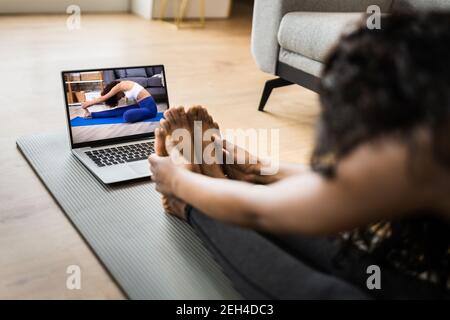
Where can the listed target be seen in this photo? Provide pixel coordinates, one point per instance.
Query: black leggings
(293, 267)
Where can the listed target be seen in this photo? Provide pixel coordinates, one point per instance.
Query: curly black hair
(114, 100)
(391, 80)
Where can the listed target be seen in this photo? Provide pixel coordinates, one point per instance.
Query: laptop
(111, 146)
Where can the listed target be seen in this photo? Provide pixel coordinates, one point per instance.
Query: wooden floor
(213, 67)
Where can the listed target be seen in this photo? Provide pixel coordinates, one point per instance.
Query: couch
(291, 38)
(150, 78)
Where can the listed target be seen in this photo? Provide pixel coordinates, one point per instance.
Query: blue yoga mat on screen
(80, 122)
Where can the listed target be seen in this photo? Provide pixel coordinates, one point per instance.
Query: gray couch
(150, 78)
(291, 38)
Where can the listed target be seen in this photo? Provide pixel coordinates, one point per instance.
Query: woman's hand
(243, 165)
(85, 105)
(164, 173)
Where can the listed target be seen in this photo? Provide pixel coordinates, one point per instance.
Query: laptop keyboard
(122, 154)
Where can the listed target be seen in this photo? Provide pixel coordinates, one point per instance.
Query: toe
(194, 112)
(169, 114)
(202, 114)
(165, 125)
(177, 114)
(192, 116)
(182, 117)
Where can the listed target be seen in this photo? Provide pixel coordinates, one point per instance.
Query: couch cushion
(150, 72)
(136, 72)
(154, 82)
(313, 34)
(300, 62)
(158, 93)
(120, 73)
(140, 80)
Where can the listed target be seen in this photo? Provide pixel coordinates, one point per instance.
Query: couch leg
(268, 87)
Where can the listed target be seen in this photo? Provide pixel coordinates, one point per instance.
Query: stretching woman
(144, 108)
(379, 182)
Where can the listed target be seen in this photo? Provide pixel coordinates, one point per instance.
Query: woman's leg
(325, 255)
(261, 270)
(116, 112)
(147, 110)
(299, 267)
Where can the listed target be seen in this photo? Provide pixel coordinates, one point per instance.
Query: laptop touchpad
(142, 169)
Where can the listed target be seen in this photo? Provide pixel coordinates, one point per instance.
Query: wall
(142, 8)
(59, 6)
(151, 8)
(145, 8)
(213, 8)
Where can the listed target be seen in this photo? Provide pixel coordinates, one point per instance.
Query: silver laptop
(111, 142)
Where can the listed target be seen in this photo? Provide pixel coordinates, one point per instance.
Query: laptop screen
(108, 105)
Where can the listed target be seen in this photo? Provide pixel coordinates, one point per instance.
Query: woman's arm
(115, 90)
(371, 184)
(247, 167)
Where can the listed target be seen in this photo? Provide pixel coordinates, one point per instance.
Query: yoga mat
(79, 121)
(150, 254)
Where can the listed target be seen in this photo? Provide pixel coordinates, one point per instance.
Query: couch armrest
(267, 15)
(154, 82)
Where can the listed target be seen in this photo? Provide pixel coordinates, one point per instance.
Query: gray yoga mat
(150, 254)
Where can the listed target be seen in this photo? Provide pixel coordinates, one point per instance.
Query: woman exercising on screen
(144, 108)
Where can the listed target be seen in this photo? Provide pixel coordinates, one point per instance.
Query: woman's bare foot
(174, 206)
(199, 113)
(171, 205)
(176, 118)
(160, 142)
(87, 114)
